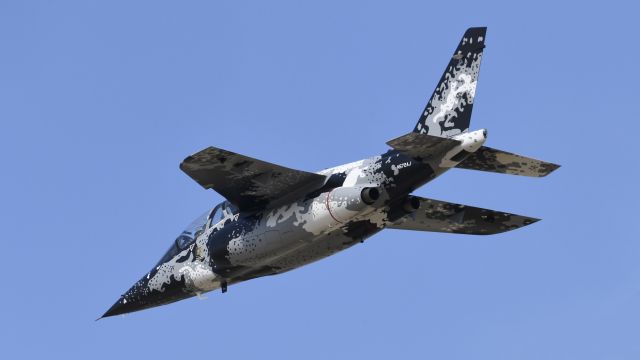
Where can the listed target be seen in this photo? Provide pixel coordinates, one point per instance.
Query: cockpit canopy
(197, 227)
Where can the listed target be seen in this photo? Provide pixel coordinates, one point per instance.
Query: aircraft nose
(122, 306)
(140, 297)
(133, 300)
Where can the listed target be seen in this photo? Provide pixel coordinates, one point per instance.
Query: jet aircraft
(276, 219)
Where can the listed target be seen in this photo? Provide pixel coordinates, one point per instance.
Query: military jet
(276, 219)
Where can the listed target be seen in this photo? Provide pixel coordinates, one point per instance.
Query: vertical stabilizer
(448, 112)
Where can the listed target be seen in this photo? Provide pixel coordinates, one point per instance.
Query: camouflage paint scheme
(276, 219)
(489, 159)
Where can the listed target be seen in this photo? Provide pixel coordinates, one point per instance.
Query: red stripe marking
(329, 208)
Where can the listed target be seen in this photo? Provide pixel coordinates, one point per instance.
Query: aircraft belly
(325, 246)
(264, 248)
(296, 249)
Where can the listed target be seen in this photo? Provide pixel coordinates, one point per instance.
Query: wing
(248, 183)
(498, 161)
(440, 216)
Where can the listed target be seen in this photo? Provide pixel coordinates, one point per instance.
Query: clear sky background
(101, 100)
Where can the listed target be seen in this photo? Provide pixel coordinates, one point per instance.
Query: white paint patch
(352, 177)
(471, 142)
(282, 214)
(378, 217)
(342, 168)
(458, 81)
(463, 83)
(196, 273)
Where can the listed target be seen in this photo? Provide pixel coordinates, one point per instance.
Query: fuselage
(228, 246)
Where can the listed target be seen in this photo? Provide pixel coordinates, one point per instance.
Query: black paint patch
(460, 156)
(359, 230)
(405, 180)
(334, 181)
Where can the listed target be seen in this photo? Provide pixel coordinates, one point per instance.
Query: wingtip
(524, 222)
(549, 168)
(532, 221)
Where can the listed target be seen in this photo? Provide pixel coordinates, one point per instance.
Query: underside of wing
(440, 216)
(248, 183)
(498, 161)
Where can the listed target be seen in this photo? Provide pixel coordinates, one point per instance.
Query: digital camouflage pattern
(448, 112)
(440, 216)
(249, 183)
(276, 219)
(492, 160)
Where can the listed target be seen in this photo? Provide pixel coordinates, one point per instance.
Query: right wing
(498, 161)
(440, 216)
(248, 183)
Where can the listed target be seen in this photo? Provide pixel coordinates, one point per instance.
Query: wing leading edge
(248, 183)
(440, 216)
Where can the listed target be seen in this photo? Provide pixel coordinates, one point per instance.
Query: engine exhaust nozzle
(411, 204)
(370, 195)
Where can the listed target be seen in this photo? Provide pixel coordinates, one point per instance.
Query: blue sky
(100, 101)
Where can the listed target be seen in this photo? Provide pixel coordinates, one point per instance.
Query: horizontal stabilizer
(423, 146)
(249, 183)
(498, 161)
(440, 216)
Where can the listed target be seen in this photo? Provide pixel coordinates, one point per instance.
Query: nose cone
(141, 297)
(122, 306)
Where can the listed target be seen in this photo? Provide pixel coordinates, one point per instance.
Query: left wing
(440, 216)
(248, 183)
